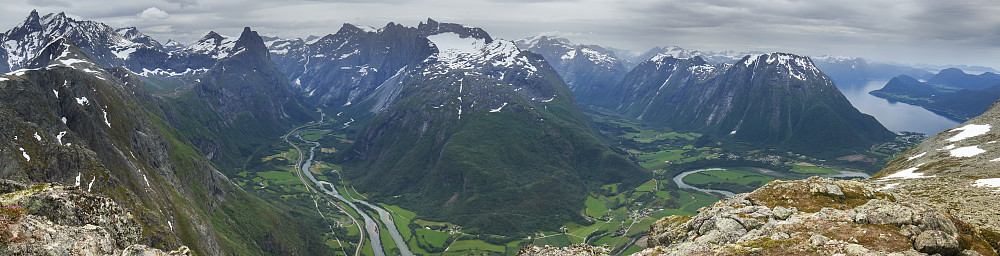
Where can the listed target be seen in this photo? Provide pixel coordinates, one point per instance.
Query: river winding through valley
(371, 227)
(679, 179)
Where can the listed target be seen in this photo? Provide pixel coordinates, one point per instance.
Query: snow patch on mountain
(966, 151)
(907, 174)
(170, 73)
(106, 121)
(25, 155)
(991, 182)
(451, 46)
(495, 110)
(60, 136)
(969, 131)
(218, 46)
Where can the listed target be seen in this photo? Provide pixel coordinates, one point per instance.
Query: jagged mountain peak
(588, 70)
(56, 19)
(251, 43)
(214, 44)
(433, 27)
(133, 34)
(351, 28)
(212, 38)
(671, 57)
(660, 52)
(32, 18)
(172, 45)
(542, 39)
(779, 57)
(101, 42)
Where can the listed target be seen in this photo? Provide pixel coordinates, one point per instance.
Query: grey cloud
(52, 3)
(184, 3)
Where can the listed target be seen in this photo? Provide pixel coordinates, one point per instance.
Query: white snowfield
(991, 182)
(966, 151)
(907, 174)
(970, 131)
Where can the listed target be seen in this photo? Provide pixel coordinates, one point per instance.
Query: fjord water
(896, 116)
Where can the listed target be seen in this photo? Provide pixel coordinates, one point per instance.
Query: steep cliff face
(818, 216)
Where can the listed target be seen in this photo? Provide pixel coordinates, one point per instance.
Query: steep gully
(328, 189)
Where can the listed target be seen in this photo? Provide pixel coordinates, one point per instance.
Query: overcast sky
(906, 31)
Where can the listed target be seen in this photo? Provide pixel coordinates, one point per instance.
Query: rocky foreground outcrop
(818, 216)
(49, 219)
(815, 216)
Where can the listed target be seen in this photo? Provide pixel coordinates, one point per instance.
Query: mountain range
(951, 93)
(71, 121)
(480, 122)
(589, 70)
(770, 100)
(445, 120)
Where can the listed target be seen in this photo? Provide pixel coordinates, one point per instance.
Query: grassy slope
(246, 224)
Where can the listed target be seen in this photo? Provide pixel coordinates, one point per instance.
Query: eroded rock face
(60, 220)
(817, 216)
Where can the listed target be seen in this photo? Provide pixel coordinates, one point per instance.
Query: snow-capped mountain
(213, 44)
(682, 53)
(344, 68)
(172, 45)
(776, 99)
(435, 114)
(133, 34)
(99, 41)
(126, 47)
(589, 70)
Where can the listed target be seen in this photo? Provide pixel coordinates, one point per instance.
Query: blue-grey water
(895, 116)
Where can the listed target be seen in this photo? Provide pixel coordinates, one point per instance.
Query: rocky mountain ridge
(590, 71)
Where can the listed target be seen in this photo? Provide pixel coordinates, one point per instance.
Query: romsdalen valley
(442, 139)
